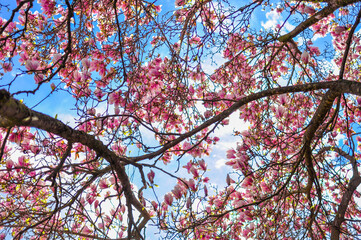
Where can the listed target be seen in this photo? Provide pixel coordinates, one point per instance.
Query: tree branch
(13, 112)
(333, 5)
(344, 85)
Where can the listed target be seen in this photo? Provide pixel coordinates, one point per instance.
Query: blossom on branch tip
(176, 46)
(340, 29)
(56, 57)
(177, 191)
(168, 199)
(7, 67)
(195, 40)
(9, 164)
(103, 184)
(86, 230)
(231, 153)
(229, 180)
(208, 114)
(38, 78)
(155, 205)
(86, 63)
(305, 57)
(202, 164)
(192, 185)
(32, 65)
(309, 10)
(179, 3)
(150, 176)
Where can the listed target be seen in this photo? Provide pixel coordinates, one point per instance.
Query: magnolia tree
(149, 87)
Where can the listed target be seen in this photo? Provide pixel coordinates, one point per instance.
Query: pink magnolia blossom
(188, 166)
(9, 164)
(86, 63)
(77, 76)
(101, 225)
(265, 188)
(32, 65)
(179, 3)
(176, 46)
(86, 230)
(56, 57)
(280, 111)
(99, 93)
(229, 180)
(309, 10)
(283, 99)
(103, 184)
(155, 205)
(314, 50)
(305, 57)
(91, 111)
(47, 6)
(231, 153)
(115, 98)
(7, 67)
(202, 164)
(24, 192)
(208, 114)
(195, 40)
(192, 185)
(116, 109)
(177, 191)
(96, 204)
(247, 182)
(189, 203)
(205, 191)
(38, 78)
(112, 180)
(340, 29)
(225, 122)
(158, 8)
(168, 199)
(194, 171)
(150, 176)
(53, 86)
(22, 162)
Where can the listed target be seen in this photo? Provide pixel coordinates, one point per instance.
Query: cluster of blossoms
(145, 97)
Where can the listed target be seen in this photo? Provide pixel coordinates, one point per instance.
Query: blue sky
(59, 103)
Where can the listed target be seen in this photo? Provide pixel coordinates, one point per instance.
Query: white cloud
(227, 139)
(213, 62)
(274, 18)
(220, 163)
(289, 27)
(235, 123)
(316, 36)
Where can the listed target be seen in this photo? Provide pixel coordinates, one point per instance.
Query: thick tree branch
(346, 198)
(343, 154)
(56, 170)
(355, 181)
(14, 113)
(348, 45)
(13, 13)
(316, 121)
(333, 5)
(344, 85)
